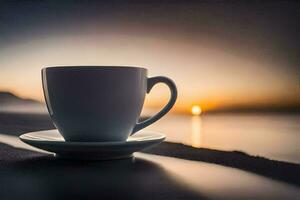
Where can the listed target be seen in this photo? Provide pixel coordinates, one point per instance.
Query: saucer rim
(160, 137)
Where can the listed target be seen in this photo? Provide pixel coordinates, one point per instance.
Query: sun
(196, 110)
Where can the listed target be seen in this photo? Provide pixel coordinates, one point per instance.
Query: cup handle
(150, 83)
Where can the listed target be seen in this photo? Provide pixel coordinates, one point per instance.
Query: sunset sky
(227, 54)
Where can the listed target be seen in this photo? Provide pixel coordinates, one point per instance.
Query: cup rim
(94, 67)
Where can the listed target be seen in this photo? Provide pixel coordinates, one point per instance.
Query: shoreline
(278, 170)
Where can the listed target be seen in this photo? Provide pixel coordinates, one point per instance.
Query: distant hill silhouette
(9, 102)
(8, 98)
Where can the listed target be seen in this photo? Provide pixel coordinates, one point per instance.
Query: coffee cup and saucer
(96, 110)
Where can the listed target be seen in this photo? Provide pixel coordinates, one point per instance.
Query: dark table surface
(28, 173)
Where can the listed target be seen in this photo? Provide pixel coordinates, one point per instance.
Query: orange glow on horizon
(201, 80)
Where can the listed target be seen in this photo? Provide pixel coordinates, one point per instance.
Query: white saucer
(52, 141)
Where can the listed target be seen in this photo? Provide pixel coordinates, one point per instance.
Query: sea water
(274, 136)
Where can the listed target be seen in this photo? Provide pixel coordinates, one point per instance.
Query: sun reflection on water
(196, 136)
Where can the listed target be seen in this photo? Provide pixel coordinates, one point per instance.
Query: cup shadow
(41, 176)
